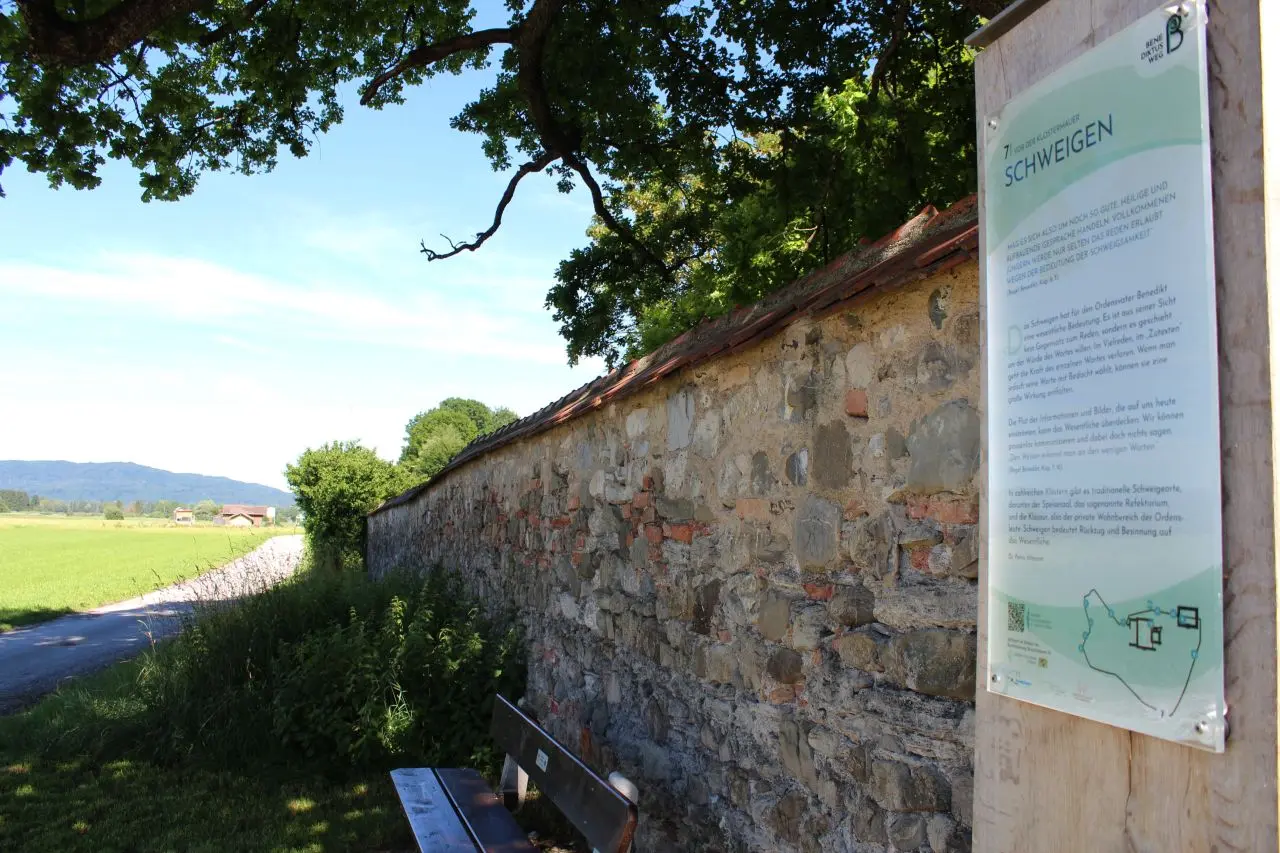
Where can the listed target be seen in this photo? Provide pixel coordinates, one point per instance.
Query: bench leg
(513, 784)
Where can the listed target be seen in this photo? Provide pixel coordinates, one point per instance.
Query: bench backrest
(596, 808)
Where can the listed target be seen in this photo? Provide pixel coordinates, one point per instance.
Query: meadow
(51, 565)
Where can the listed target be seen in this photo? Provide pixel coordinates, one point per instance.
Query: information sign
(1104, 500)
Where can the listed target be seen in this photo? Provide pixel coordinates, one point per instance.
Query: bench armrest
(624, 786)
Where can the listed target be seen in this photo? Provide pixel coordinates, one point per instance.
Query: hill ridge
(129, 481)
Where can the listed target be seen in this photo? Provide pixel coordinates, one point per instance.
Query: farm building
(239, 515)
(182, 515)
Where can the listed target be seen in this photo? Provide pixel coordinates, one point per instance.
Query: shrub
(336, 486)
(113, 513)
(336, 667)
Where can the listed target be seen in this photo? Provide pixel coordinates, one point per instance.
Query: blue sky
(265, 314)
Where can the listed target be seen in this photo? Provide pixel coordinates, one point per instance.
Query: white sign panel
(1105, 506)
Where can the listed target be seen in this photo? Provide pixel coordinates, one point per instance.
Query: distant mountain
(109, 481)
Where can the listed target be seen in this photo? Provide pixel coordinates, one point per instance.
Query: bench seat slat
(604, 816)
(435, 824)
(483, 811)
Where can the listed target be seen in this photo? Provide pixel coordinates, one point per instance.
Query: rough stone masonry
(751, 587)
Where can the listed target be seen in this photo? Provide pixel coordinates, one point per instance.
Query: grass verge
(73, 777)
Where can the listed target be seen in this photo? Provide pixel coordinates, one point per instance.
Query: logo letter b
(1173, 34)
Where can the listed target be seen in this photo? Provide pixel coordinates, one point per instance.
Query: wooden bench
(454, 809)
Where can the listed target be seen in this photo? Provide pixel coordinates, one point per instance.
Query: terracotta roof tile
(243, 509)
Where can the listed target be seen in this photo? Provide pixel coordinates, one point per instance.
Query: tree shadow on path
(15, 617)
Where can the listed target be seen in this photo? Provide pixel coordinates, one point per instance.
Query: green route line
(1125, 623)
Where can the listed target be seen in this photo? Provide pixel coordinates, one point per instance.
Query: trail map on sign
(1122, 645)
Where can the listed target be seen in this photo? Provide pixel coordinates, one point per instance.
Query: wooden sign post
(1051, 781)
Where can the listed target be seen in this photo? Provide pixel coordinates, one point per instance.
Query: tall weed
(337, 669)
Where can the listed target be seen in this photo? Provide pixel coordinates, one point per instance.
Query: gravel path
(36, 659)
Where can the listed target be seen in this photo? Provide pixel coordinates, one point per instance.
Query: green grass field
(50, 565)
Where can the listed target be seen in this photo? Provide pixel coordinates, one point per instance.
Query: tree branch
(696, 255)
(236, 22)
(882, 61)
(122, 81)
(539, 163)
(428, 53)
(57, 41)
(532, 43)
(611, 222)
(534, 31)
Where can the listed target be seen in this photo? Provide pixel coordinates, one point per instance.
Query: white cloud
(468, 317)
(248, 346)
(192, 365)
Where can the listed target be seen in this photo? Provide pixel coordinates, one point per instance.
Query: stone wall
(752, 586)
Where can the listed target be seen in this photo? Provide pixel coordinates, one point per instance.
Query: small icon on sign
(541, 760)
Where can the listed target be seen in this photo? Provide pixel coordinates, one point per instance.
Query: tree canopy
(726, 146)
(433, 437)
